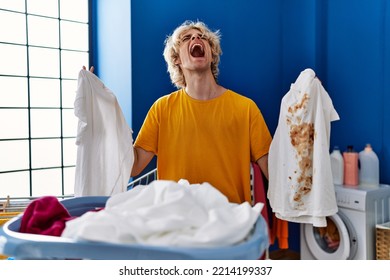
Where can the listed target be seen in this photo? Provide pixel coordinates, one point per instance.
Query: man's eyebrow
(200, 34)
(186, 36)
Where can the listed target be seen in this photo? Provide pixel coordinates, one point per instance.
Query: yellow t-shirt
(210, 141)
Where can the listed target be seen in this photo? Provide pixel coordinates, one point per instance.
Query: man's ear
(177, 61)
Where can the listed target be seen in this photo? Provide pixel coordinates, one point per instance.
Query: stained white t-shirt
(104, 140)
(300, 178)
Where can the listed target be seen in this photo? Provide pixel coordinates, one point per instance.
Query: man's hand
(90, 69)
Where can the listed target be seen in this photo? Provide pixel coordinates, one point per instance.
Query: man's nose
(195, 37)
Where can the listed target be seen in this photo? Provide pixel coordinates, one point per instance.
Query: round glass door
(332, 242)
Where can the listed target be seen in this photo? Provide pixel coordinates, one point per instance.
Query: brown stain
(302, 136)
(299, 106)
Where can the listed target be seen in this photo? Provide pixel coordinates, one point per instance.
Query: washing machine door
(336, 241)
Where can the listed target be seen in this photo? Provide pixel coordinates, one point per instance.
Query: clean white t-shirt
(104, 141)
(300, 178)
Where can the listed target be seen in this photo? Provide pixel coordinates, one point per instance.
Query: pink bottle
(351, 168)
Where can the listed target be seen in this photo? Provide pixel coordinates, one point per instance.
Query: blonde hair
(171, 50)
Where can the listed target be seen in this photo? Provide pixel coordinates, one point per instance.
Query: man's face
(194, 51)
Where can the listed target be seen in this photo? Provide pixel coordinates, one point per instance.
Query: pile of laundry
(163, 213)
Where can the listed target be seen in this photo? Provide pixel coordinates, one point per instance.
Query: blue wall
(251, 40)
(385, 155)
(266, 43)
(355, 68)
(112, 49)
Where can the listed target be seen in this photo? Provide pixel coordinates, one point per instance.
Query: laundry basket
(5, 217)
(32, 246)
(145, 179)
(383, 241)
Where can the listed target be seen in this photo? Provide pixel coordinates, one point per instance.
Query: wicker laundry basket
(383, 241)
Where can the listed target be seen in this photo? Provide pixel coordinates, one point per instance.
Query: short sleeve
(260, 136)
(147, 138)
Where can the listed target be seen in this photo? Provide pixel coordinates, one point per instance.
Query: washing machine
(349, 234)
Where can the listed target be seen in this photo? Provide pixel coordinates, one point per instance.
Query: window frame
(59, 192)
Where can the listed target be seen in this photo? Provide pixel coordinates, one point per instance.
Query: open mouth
(197, 50)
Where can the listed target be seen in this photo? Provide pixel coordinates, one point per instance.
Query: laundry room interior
(266, 45)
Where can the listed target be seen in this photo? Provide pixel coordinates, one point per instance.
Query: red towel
(278, 228)
(46, 216)
(259, 190)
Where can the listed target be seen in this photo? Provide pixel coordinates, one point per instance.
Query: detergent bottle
(337, 164)
(351, 167)
(369, 167)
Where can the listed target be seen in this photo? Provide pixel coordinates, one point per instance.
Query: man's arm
(263, 163)
(141, 160)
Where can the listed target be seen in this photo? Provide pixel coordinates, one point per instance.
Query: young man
(202, 132)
